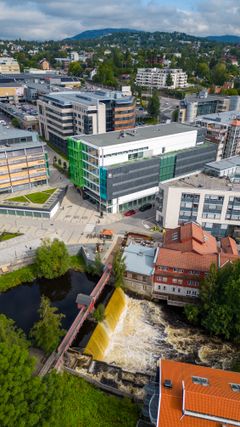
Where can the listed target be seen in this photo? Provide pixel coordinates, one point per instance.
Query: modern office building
(224, 130)
(67, 113)
(13, 91)
(202, 104)
(157, 77)
(23, 160)
(210, 198)
(184, 260)
(190, 395)
(122, 170)
(9, 65)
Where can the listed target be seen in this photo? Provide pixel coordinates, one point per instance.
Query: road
(73, 223)
(167, 106)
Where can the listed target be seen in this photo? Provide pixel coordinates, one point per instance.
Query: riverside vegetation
(218, 309)
(56, 400)
(52, 260)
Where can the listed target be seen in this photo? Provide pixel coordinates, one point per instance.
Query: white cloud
(56, 19)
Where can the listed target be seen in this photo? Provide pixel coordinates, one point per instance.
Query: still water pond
(22, 303)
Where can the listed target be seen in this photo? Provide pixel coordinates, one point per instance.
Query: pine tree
(48, 331)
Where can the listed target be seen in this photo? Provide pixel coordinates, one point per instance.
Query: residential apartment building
(222, 129)
(122, 170)
(23, 160)
(157, 77)
(184, 260)
(190, 395)
(202, 104)
(210, 198)
(67, 113)
(9, 65)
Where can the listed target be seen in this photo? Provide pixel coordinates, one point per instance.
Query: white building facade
(157, 77)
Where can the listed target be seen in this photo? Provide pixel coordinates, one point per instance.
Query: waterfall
(100, 339)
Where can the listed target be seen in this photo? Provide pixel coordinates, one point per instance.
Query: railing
(55, 359)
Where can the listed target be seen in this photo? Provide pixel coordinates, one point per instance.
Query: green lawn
(7, 236)
(40, 197)
(86, 406)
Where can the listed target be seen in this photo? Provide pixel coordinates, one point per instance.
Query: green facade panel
(167, 167)
(75, 157)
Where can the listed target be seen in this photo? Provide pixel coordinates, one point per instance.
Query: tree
(47, 332)
(52, 259)
(169, 80)
(203, 70)
(16, 122)
(75, 69)
(10, 334)
(219, 74)
(192, 313)
(119, 269)
(22, 397)
(154, 106)
(175, 115)
(99, 313)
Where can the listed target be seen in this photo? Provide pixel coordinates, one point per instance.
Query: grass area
(40, 197)
(86, 406)
(28, 274)
(20, 199)
(7, 236)
(22, 275)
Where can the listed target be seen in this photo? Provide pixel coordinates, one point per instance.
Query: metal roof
(136, 134)
(225, 163)
(88, 98)
(139, 259)
(11, 133)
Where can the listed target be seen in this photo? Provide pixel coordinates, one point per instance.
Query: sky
(58, 19)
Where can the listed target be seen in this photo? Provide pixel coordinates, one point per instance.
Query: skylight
(200, 381)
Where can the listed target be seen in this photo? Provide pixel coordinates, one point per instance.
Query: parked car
(145, 207)
(130, 213)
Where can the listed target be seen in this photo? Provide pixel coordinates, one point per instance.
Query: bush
(99, 313)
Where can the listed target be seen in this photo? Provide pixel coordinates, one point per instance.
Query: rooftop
(12, 133)
(224, 118)
(136, 134)
(139, 259)
(224, 163)
(88, 98)
(188, 403)
(204, 181)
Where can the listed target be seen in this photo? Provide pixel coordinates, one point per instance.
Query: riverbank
(28, 273)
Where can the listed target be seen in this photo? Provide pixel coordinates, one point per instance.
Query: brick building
(185, 259)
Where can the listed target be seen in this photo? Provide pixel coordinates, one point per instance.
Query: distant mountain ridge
(95, 34)
(225, 39)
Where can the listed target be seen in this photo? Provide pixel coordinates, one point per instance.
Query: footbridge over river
(55, 359)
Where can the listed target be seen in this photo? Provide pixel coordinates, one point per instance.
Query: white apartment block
(9, 65)
(157, 77)
(67, 113)
(210, 198)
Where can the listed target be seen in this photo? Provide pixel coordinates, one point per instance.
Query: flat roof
(10, 133)
(87, 97)
(139, 259)
(224, 118)
(203, 181)
(224, 163)
(20, 145)
(135, 134)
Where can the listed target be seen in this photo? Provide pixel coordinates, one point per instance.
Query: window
(200, 381)
(235, 387)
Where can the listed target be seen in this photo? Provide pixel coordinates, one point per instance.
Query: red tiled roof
(216, 399)
(229, 246)
(185, 260)
(190, 237)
